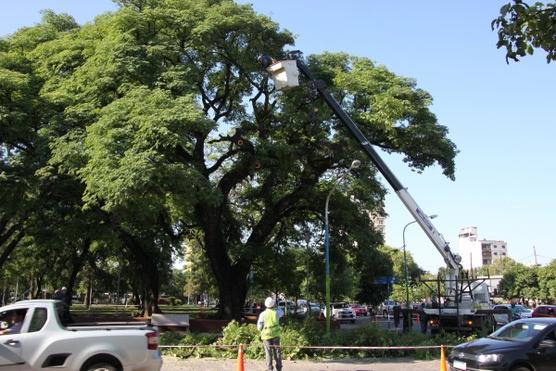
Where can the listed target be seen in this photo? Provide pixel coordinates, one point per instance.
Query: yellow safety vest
(271, 327)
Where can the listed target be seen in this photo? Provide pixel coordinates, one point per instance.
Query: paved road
(207, 364)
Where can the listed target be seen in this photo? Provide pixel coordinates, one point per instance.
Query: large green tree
(520, 282)
(547, 282)
(162, 114)
(498, 267)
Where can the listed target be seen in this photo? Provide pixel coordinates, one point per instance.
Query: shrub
(176, 338)
(296, 334)
(235, 333)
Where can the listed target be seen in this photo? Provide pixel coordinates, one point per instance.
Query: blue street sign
(384, 280)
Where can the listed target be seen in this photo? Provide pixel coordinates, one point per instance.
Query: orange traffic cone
(442, 359)
(240, 361)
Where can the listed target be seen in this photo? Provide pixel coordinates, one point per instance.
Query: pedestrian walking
(269, 326)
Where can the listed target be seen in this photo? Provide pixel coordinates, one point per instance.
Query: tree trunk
(136, 297)
(232, 293)
(155, 291)
(147, 270)
(89, 297)
(231, 280)
(77, 265)
(38, 289)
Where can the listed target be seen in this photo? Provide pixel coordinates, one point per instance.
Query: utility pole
(535, 255)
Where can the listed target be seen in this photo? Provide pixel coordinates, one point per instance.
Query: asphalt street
(208, 364)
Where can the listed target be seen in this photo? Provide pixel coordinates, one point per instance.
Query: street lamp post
(354, 165)
(406, 276)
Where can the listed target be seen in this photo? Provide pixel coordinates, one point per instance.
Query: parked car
(522, 345)
(359, 310)
(503, 313)
(387, 307)
(304, 307)
(289, 310)
(342, 312)
(41, 342)
(544, 311)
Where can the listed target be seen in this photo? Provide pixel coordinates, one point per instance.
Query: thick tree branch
(9, 248)
(221, 160)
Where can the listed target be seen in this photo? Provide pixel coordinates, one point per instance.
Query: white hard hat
(269, 302)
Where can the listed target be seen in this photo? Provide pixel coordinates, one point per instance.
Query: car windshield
(340, 305)
(518, 331)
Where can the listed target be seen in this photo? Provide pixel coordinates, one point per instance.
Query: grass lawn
(192, 310)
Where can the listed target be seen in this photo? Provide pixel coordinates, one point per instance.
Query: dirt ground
(208, 364)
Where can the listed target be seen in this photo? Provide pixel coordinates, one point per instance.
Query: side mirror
(3, 325)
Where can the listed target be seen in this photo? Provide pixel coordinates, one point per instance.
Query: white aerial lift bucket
(285, 74)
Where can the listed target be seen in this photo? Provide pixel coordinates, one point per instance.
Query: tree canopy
(523, 282)
(524, 27)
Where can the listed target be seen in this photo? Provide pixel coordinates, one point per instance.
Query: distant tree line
(523, 282)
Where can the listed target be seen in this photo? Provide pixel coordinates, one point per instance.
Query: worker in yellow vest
(269, 326)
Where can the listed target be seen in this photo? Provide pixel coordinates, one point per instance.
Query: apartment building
(476, 252)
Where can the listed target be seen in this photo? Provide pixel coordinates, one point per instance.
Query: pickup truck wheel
(101, 366)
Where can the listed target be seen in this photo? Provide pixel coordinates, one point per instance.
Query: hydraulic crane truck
(464, 304)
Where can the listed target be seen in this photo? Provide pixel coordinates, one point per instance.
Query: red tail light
(152, 340)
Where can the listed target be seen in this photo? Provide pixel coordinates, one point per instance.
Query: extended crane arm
(452, 261)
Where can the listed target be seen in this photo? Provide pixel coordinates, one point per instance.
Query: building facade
(475, 252)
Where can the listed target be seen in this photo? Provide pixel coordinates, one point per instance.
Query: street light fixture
(406, 276)
(354, 165)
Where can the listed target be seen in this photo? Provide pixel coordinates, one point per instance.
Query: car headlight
(489, 358)
(454, 352)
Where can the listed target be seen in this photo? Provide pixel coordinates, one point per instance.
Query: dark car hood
(488, 345)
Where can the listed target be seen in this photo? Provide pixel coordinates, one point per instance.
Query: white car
(387, 307)
(33, 338)
(342, 312)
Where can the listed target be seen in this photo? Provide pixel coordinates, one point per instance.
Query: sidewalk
(209, 364)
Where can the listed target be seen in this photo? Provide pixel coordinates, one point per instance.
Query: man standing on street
(269, 326)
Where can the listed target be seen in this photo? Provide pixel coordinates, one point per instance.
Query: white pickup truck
(32, 337)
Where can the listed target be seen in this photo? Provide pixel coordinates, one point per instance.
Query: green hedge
(297, 334)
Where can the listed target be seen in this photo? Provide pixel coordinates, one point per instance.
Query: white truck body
(45, 344)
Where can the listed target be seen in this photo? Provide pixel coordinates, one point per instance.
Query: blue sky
(500, 116)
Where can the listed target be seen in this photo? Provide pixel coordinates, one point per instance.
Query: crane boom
(452, 260)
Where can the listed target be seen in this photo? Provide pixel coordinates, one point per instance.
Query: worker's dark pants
(272, 350)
